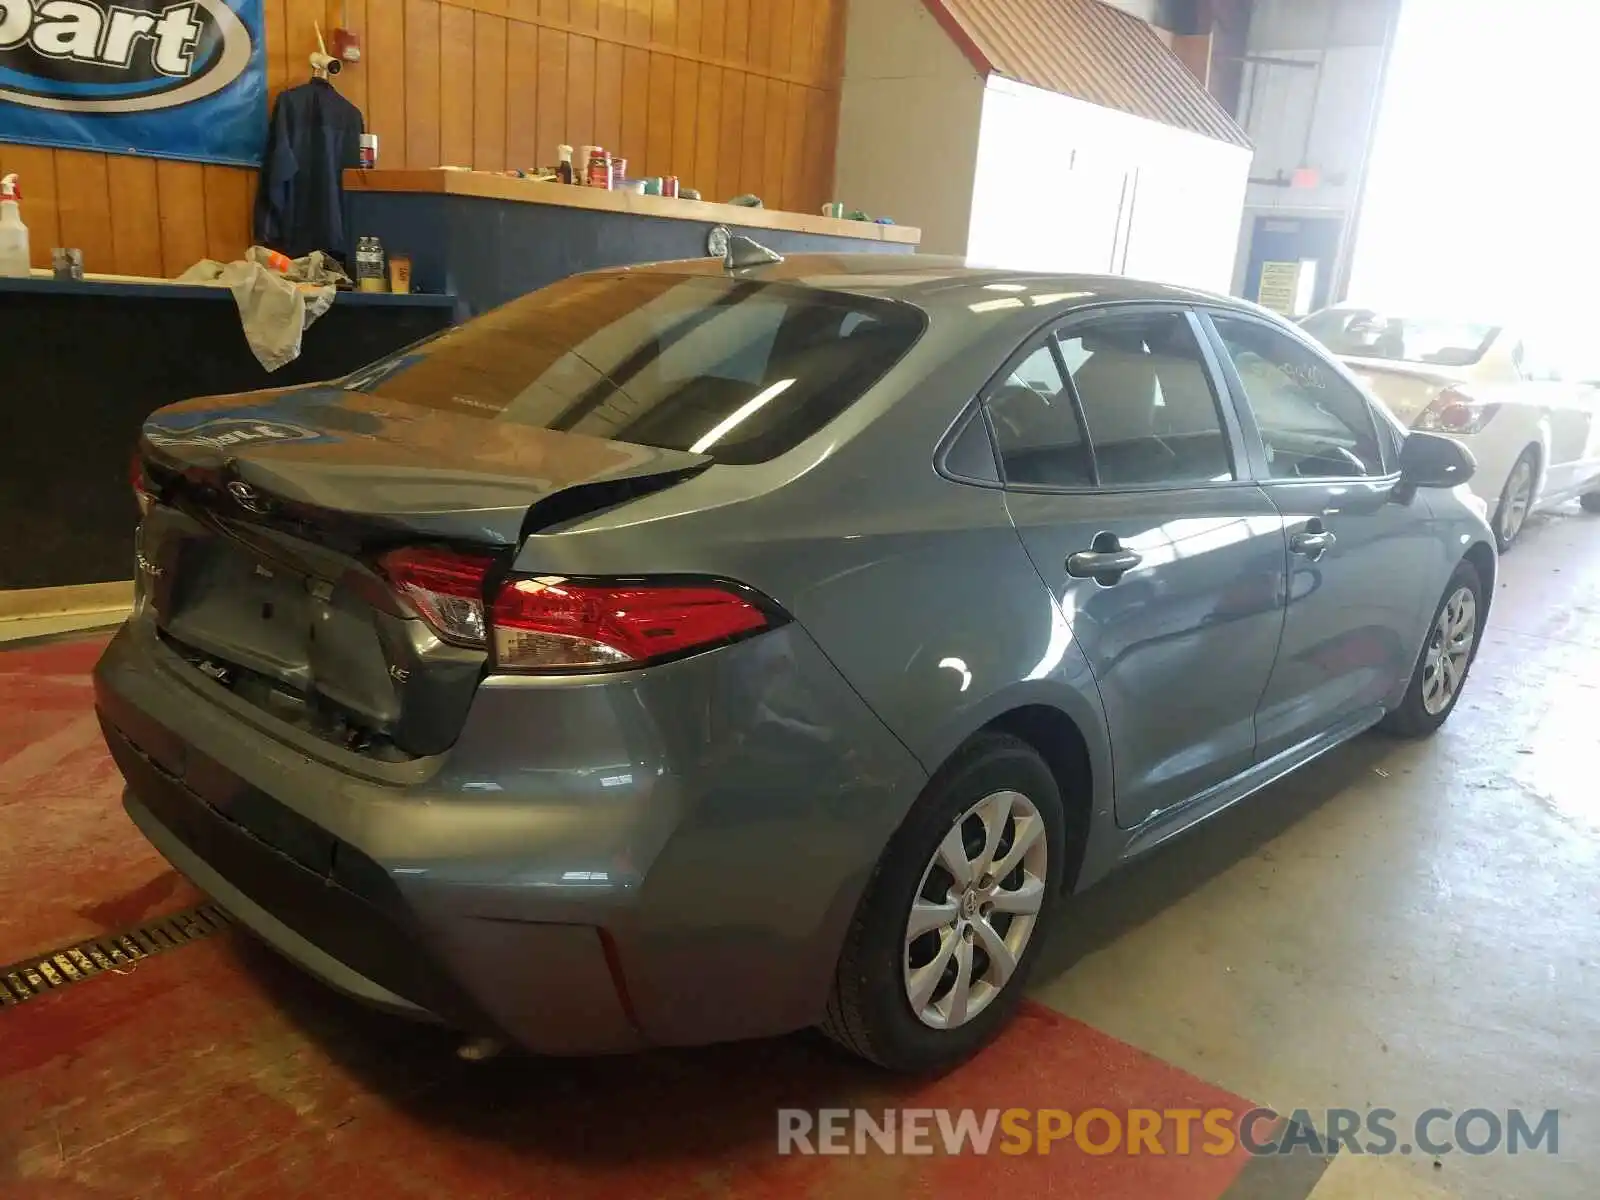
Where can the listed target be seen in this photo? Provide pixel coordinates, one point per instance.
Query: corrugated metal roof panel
(1087, 49)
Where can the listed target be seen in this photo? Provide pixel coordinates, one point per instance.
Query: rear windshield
(740, 370)
(1365, 333)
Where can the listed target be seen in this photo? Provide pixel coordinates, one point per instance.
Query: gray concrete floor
(1406, 925)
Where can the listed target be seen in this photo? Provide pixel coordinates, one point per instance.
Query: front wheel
(938, 955)
(1589, 502)
(1446, 658)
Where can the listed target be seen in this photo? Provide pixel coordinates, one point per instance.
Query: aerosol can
(13, 233)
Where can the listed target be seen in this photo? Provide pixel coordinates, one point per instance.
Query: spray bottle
(13, 233)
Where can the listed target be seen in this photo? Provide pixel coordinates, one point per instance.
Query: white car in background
(1531, 418)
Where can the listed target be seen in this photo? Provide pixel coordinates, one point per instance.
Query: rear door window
(1147, 399)
(737, 369)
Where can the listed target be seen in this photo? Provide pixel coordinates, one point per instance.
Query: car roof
(943, 284)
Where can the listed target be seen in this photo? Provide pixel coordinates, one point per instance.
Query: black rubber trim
(369, 930)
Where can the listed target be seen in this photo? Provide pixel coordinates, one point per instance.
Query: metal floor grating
(45, 973)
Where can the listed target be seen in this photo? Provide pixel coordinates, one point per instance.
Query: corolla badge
(92, 56)
(224, 432)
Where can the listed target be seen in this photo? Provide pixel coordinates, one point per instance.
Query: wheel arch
(1486, 562)
(1540, 446)
(1056, 738)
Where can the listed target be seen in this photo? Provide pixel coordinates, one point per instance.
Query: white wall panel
(908, 123)
(1057, 178)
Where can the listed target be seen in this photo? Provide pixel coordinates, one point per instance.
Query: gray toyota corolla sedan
(688, 652)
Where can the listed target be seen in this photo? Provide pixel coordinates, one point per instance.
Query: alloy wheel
(1519, 497)
(975, 910)
(1449, 650)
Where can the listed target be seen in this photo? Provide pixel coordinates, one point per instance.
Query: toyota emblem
(246, 497)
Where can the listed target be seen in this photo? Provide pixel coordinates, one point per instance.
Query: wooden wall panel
(663, 22)
(771, 178)
(489, 143)
(730, 141)
(83, 196)
(729, 95)
(579, 128)
(635, 108)
(456, 86)
(135, 215)
(760, 55)
(383, 55)
(736, 30)
(658, 145)
(713, 27)
(752, 154)
(795, 190)
(522, 93)
(708, 133)
(552, 72)
(688, 34)
(685, 115)
(637, 29)
(782, 36)
(181, 194)
(608, 93)
(422, 83)
(230, 194)
(277, 47)
(299, 36)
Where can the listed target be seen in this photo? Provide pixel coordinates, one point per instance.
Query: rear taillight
(140, 483)
(558, 624)
(551, 624)
(445, 588)
(1455, 412)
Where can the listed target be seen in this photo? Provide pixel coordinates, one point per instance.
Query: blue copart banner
(174, 80)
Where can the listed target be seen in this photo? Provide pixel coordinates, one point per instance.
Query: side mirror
(1428, 460)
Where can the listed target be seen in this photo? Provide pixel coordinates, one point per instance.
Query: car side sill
(1160, 826)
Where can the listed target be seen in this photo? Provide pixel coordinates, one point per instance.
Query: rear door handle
(1313, 543)
(1106, 560)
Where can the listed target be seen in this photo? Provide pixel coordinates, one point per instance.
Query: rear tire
(995, 790)
(1441, 670)
(1589, 502)
(1516, 499)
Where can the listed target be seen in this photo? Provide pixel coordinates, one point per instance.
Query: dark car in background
(688, 653)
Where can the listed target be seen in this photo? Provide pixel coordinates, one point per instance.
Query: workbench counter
(488, 238)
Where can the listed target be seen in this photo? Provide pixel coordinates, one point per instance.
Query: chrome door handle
(1107, 566)
(1313, 543)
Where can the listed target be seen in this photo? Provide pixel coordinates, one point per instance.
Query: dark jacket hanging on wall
(315, 134)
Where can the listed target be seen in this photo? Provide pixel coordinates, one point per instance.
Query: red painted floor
(71, 864)
(217, 1069)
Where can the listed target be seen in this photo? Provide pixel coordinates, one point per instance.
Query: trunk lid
(359, 461)
(258, 558)
(1405, 388)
